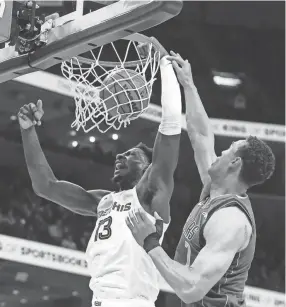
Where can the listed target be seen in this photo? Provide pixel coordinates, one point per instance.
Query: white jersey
(119, 267)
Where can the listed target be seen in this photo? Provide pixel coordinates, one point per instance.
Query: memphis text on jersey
(116, 206)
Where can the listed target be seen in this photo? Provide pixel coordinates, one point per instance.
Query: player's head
(131, 165)
(251, 161)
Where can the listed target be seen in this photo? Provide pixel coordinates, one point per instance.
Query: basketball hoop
(108, 94)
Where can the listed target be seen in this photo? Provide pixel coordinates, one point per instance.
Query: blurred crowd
(23, 214)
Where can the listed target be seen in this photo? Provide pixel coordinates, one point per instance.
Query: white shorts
(122, 303)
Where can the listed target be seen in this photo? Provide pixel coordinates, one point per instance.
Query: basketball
(125, 92)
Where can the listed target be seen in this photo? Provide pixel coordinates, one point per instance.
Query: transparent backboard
(75, 33)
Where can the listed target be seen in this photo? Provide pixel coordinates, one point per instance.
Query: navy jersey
(228, 292)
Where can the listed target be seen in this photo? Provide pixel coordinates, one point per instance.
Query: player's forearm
(40, 172)
(198, 122)
(170, 99)
(166, 147)
(178, 276)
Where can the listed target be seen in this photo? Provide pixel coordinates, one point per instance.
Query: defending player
(122, 274)
(217, 245)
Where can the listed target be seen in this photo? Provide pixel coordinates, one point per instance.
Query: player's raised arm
(158, 184)
(198, 124)
(44, 182)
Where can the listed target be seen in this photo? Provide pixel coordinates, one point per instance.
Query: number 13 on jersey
(103, 230)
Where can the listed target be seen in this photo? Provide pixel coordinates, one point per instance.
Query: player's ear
(236, 163)
(145, 167)
(147, 164)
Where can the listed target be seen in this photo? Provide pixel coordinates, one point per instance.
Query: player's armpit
(164, 160)
(161, 202)
(72, 197)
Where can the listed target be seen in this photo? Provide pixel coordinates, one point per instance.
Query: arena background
(245, 39)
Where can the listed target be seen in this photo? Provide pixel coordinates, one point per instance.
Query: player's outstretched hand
(143, 49)
(30, 115)
(141, 226)
(183, 69)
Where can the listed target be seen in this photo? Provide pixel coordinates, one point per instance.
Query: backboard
(76, 33)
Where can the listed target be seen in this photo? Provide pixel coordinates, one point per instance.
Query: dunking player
(122, 274)
(217, 245)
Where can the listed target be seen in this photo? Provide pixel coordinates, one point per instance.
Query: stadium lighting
(92, 139)
(74, 143)
(115, 136)
(226, 79)
(13, 117)
(231, 82)
(73, 133)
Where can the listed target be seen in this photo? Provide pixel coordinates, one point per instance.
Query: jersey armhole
(103, 198)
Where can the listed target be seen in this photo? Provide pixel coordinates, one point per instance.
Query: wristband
(170, 99)
(151, 242)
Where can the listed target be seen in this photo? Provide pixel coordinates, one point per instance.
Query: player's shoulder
(104, 198)
(99, 194)
(228, 200)
(229, 215)
(229, 224)
(231, 208)
(231, 220)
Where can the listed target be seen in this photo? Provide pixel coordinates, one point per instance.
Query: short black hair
(147, 151)
(258, 161)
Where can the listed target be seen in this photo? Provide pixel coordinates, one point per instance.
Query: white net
(109, 94)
